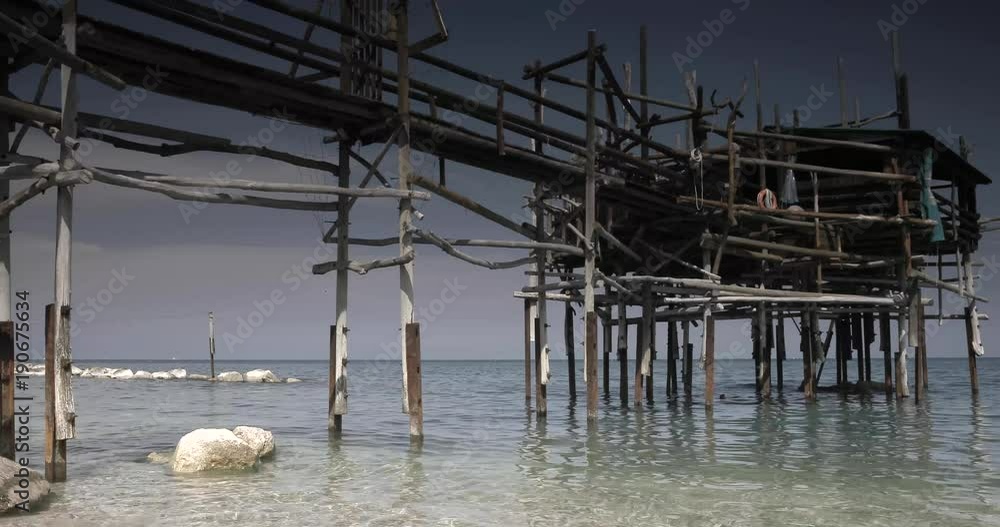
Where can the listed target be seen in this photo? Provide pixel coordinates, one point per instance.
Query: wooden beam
(471, 205)
(414, 384)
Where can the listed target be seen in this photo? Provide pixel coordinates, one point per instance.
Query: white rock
(36, 367)
(213, 449)
(261, 376)
(38, 488)
(99, 373)
(229, 376)
(143, 375)
(123, 375)
(291, 380)
(158, 458)
(197, 377)
(178, 373)
(259, 439)
(75, 371)
(162, 376)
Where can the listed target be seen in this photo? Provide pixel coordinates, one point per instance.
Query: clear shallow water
(486, 461)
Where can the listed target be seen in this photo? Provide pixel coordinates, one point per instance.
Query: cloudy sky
(179, 263)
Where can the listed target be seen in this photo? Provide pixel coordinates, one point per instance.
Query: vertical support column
(810, 348)
(765, 351)
(885, 342)
(779, 342)
(622, 350)
(671, 358)
(920, 361)
(868, 321)
(570, 349)
(541, 395)
(590, 210)
(55, 449)
(5, 284)
(643, 345)
(406, 271)
(651, 358)
(688, 357)
(211, 344)
(971, 323)
(708, 342)
(337, 397)
(528, 334)
(608, 344)
(414, 392)
(7, 384)
(840, 352)
(901, 82)
(64, 408)
(541, 323)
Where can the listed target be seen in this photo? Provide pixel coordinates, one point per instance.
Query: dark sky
(229, 259)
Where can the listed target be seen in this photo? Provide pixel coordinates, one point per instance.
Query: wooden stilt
(902, 383)
(55, 448)
(642, 357)
(857, 340)
(672, 359)
(337, 408)
(765, 348)
(7, 384)
(973, 368)
(541, 396)
(885, 342)
(811, 347)
(211, 344)
(688, 357)
(920, 363)
(414, 392)
(590, 220)
(841, 339)
(622, 352)
(708, 351)
(406, 294)
(971, 323)
(590, 353)
(527, 350)
(606, 362)
(779, 341)
(570, 349)
(652, 358)
(868, 321)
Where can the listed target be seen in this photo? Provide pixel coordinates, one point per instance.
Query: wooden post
(570, 349)
(841, 339)
(885, 342)
(55, 448)
(901, 82)
(779, 341)
(688, 357)
(920, 361)
(971, 323)
(810, 348)
(642, 357)
(337, 396)
(65, 408)
(709, 340)
(622, 351)
(902, 384)
(765, 352)
(528, 334)
(541, 399)
(651, 359)
(671, 358)
(857, 338)
(7, 387)
(842, 83)
(406, 296)
(608, 344)
(590, 218)
(414, 392)
(973, 368)
(868, 321)
(211, 344)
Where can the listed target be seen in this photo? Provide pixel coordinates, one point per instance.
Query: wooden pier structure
(676, 210)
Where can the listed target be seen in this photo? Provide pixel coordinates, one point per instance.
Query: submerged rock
(162, 376)
(291, 380)
(158, 458)
(213, 449)
(75, 371)
(123, 375)
(143, 375)
(259, 439)
(229, 376)
(12, 494)
(198, 377)
(178, 373)
(261, 376)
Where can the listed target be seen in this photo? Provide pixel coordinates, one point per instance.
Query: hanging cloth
(927, 201)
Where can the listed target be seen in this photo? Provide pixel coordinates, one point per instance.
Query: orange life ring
(766, 199)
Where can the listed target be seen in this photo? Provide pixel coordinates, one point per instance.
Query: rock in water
(213, 449)
(197, 377)
(259, 439)
(142, 374)
(291, 380)
(261, 376)
(158, 459)
(12, 494)
(75, 371)
(162, 376)
(178, 373)
(123, 375)
(229, 376)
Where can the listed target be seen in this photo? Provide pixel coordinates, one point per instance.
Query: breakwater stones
(127, 374)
